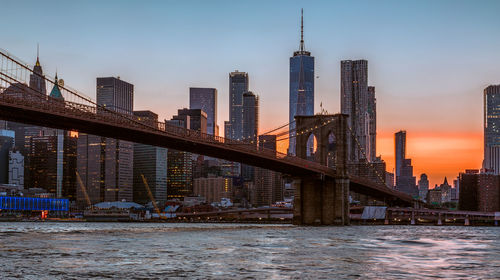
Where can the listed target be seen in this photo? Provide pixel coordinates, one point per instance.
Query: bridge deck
(85, 119)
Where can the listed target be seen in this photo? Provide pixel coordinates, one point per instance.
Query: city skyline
(262, 139)
(444, 136)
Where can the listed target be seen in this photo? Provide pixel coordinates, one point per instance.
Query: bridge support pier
(467, 221)
(321, 201)
(412, 217)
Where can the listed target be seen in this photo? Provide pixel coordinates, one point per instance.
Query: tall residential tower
(238, 85)
(405, 181)
(358, 101)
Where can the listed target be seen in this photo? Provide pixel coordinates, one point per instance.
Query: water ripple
(229, 251)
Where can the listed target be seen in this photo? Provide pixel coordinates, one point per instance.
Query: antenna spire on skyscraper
(302, 30)
(37, 54)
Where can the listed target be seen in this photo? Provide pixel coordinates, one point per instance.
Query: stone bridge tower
(325, 200)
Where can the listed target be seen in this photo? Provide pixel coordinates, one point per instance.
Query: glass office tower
(301, 87)
(491, 163)
(206, 100)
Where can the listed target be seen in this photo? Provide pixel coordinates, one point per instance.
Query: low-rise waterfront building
(479, 192)
(213, 189)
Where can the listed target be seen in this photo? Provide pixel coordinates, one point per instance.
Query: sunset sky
(429, 60)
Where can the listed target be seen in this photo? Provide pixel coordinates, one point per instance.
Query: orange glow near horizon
(436, 154)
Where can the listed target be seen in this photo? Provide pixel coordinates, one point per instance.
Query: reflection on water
(158, 251)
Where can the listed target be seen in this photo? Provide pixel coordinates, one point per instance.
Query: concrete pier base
(440, 222)
(321, 201)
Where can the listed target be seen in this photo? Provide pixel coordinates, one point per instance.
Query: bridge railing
(45, 103)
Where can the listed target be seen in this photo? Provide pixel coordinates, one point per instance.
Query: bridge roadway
(393, 215)
(268, 211)
(440, 216)
(66, 115)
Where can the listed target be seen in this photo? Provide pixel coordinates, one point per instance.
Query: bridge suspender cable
(278, 128)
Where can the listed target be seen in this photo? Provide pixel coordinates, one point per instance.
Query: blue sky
(429, 60)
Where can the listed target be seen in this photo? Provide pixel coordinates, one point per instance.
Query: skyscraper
(66, 153)
(37, 79)
(250, 117)
(238, 85)
(206, 100)
(179, 166)
(90, 169)
(151, 162)
(250, 129)
(405, 181)
(6, 145)
(195, 119)
(116, 95)
(358, 101)
(372, 113)
(233, 129)
(268, 184)
(37, 87)
(301, 100)
(400, 151)
(491, 107)
(53, 163)
(105, 165)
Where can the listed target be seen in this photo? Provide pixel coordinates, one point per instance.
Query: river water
(235, 251)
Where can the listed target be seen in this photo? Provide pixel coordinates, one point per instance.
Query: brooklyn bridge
(322, 185)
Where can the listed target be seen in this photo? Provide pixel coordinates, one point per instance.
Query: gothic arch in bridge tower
(311, 146)
(330, 133)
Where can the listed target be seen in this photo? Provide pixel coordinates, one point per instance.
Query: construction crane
(80, 182)
(150, 194)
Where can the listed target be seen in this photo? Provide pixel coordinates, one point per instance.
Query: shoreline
(281, 222)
